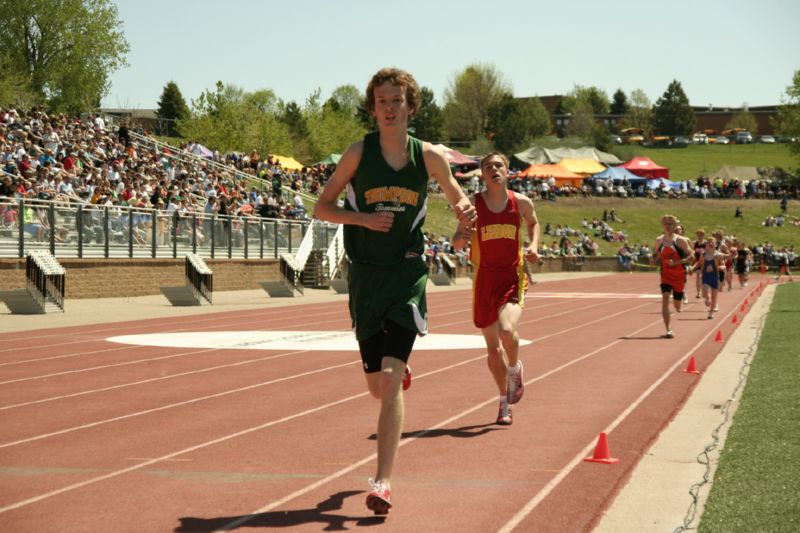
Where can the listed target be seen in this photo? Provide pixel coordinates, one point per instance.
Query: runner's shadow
(320, 514)
(640, 338)
(464, 432)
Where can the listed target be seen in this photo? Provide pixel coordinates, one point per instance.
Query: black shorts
(721, 276)
(665, 288)
(394, 341)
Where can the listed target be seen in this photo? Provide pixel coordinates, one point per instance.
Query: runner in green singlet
(385, 176)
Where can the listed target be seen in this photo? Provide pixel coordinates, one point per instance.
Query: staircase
(315, 274)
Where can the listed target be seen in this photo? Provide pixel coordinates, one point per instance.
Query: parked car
(700, 138)
(616, 139)
(743, 137)
(767, 139)
(712, 139)
(681, 142)
(722, 140)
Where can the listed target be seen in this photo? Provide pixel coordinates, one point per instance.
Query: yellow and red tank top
(496, 242)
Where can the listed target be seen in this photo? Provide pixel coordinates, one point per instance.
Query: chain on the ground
(703, 458)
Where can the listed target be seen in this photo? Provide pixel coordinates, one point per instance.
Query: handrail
(187, 157)
(335, 252)
(306, 246)
(90, 230)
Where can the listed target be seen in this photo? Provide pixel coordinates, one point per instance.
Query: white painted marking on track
(594, 295)
(336, 341)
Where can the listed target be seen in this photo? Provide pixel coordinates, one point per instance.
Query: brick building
(708, 118)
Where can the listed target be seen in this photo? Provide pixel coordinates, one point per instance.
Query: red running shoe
(504, 417)
(407, 378)
(379, 500)
(515, 384)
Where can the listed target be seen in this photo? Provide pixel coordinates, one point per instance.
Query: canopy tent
(330, 159)
(582, 166)
(646, 167)
(467, 175)
(655, 183)
(536, 155)
(287, 162)
(617, 174)
(556, 171)
(729, 172)
(457, 158)
(199, 149)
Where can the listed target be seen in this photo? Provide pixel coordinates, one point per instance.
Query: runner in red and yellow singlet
(498, 257)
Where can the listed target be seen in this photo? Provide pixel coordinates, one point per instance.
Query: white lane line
(408, 440)
(151, 380)
(173, 405)
(126, 363)
(586, 451)
(206, 444)
(258, 315)
(132, 468)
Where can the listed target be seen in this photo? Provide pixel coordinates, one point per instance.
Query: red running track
(100, 436)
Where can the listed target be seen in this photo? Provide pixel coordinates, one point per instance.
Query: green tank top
(378, 187)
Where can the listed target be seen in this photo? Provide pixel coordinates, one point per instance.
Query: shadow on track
(321, 514)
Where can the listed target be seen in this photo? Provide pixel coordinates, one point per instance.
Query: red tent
(457, 158)
(645, 167)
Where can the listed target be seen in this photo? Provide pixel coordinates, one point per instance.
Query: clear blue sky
(723, 52)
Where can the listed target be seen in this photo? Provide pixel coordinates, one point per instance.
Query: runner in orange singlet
(673, 252)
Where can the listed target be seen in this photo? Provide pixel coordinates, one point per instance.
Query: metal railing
(91, 231)
(335, 252)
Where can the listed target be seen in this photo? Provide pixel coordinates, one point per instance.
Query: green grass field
(757, 484)
(698, 159)
(642, 218)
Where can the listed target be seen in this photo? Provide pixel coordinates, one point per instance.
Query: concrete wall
(93, 278)
(102, 278)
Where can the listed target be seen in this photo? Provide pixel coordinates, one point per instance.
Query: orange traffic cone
(691, 368)
(735, 319)
(601, 452)
(718, 337)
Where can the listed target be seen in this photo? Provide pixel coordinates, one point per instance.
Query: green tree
(515, 122)
(467, 100)
(672, 114)
(595, 98)
(346, 98)
(292, 115)
(330, 130)
(66, 49)
(743, 119)
(640, 112)
(619, 103)
(581, 120)
(171, 107)
(228, 118)
(428, 122)
(14, 87)
(788, 122)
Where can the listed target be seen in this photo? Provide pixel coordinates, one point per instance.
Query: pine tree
(619, 103)
(172, 107)
(672, 114)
